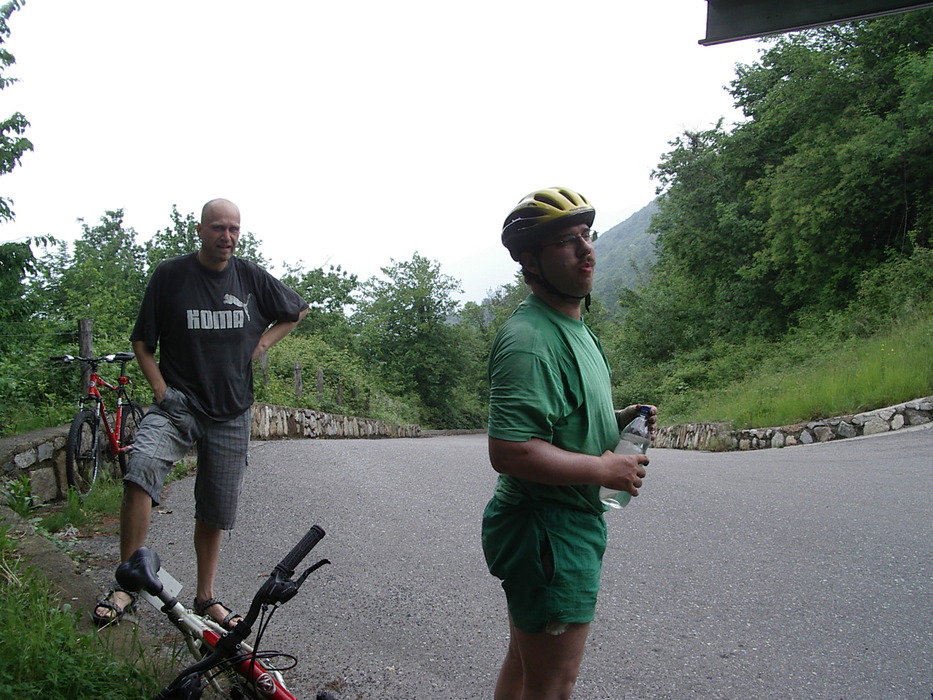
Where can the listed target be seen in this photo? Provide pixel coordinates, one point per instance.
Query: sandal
(201, 609)
(108, 604)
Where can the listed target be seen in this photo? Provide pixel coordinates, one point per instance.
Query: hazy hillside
(618, 250)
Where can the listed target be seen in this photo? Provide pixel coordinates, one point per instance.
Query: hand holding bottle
(634, 439)
(626, 415)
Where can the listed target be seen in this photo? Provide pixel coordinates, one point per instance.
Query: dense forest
(810, 218)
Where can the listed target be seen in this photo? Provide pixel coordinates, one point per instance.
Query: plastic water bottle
(634, 439)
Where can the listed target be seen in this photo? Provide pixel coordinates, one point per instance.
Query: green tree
(769, 228)
(102, 279)
(404, 329)
(852, 178)
(16, 261)
(830, 174)
(180, 238)
(348, 385)
(475, 326)
(329, 293)
(20, 339)
(705, 238)
(13, 143)
(500, 304)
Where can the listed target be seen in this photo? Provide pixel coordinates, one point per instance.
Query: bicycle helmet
(542, 212)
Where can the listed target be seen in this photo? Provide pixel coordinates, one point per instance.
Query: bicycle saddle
(140, 572)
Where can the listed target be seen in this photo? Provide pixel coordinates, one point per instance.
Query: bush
(348, 386)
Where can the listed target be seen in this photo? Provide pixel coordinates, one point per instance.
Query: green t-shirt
(549, 379)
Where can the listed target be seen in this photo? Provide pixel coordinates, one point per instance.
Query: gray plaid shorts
(166, 435)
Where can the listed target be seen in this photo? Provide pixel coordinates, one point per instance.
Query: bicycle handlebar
(291, 560)
(123, 357)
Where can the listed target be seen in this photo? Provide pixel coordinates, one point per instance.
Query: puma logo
(233, 301)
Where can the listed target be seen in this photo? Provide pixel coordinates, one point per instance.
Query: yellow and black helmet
(542, 212)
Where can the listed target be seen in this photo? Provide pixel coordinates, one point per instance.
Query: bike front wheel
(129, 424)
(82, 453)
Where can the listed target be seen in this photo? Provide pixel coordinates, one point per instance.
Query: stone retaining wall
(41, 453)
(719, 437)
(278, 422)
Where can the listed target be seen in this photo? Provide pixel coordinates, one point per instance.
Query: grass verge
(801, 379)
(42, 653)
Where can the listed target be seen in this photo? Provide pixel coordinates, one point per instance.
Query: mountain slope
(621, 253)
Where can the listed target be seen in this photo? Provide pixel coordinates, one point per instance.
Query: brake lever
(284, 591)
(279, 590)
(310, 570)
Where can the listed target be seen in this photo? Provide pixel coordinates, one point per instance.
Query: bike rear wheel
(129, 424)
(82, 453)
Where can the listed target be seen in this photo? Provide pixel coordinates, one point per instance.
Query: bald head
(225, 205)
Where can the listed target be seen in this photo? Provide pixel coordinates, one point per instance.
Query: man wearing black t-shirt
(210, 314)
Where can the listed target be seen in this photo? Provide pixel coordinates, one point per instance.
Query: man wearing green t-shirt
(552, 431)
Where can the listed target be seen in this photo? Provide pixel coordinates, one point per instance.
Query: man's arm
(540, 461)
(150, 368)
(275, 333)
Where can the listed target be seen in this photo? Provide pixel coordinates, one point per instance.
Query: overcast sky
(354, 133)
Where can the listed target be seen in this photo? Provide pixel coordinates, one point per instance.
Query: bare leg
(207, 548)
(135, 515)
(207, 541)
(541, 666)
(509, 684)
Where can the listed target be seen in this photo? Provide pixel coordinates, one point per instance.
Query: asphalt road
(804, 572)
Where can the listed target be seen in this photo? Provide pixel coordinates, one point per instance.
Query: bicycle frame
(195, 628)
(94, 394)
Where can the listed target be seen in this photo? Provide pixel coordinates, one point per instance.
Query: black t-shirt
(206, 325)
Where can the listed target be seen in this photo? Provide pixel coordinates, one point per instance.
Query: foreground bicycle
(85, 445)
(223, 654)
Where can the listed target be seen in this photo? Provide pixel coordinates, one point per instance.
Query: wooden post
(340, 391)
(85, 349)
(264, 369)
(298, 386)
(320, 387)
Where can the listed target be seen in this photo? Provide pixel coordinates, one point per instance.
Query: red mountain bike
(85, 446)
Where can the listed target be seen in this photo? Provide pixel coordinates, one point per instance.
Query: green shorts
(549, 559)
